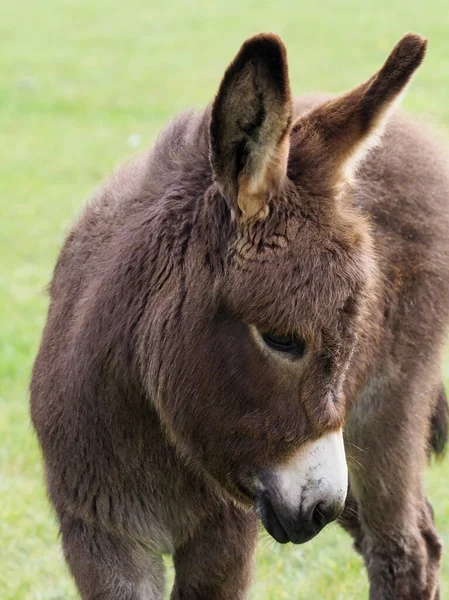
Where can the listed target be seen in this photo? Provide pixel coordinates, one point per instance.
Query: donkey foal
(227, 304)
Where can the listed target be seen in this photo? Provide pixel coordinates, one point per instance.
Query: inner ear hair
(342, 130)
(250, 126)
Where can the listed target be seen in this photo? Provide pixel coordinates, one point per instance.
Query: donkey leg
(387, 437)
(407, 565)
(107, 566)
(216, 563)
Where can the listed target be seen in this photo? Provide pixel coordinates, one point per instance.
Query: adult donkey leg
(387, 437)
(216, 562)
(107, 566)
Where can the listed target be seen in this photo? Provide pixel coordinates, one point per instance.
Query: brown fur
(153, 405)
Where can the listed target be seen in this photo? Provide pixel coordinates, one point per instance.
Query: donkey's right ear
(250, 127)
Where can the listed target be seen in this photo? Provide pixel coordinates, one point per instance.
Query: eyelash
(284, 343)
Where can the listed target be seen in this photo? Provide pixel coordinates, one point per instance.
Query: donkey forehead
(296, 287)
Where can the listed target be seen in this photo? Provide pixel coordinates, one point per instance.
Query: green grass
(82, 83)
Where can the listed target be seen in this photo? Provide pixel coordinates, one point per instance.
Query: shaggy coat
(233, 298)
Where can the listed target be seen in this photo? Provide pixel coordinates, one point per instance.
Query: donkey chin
(295, 501)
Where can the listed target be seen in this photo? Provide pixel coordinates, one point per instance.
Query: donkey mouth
(270, 520)
(286, 528)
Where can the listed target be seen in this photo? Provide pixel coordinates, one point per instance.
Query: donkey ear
(338, 133)
(250, 126)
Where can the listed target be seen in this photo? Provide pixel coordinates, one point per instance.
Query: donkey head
(268, 348)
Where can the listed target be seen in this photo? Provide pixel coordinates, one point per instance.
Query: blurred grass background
(83, 85)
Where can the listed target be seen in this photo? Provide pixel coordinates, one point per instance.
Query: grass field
(83, 85)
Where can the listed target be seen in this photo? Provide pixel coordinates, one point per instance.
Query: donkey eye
(284, 343)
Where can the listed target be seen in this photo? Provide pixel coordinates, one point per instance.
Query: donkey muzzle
(295, 501)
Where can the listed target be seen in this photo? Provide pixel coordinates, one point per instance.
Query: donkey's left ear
(332, 138)
(250, 126)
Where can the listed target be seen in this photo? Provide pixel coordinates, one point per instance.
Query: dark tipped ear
(338, 133)
(250, 126)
